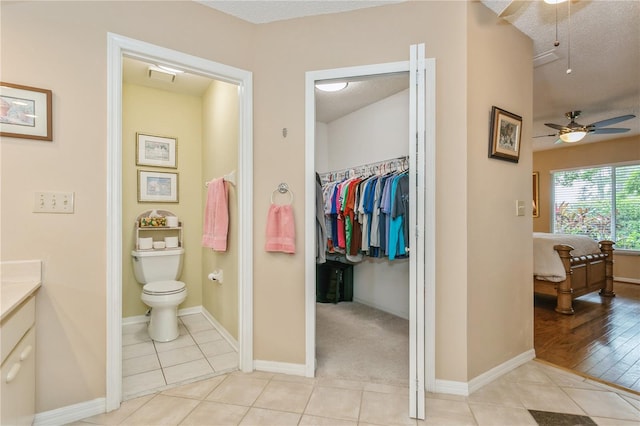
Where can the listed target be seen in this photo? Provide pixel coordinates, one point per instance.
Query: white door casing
(422, 184)
(117, 47)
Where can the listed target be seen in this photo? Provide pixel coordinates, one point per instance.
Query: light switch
(519, 208)
(53, 202)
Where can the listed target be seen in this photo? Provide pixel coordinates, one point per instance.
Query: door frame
(117, 47)
(427, 262)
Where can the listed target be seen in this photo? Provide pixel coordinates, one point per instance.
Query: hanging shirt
(396, 233)
(374, 239)
(385, 210)
(401, 205)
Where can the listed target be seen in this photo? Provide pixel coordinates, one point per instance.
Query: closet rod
(386, 166)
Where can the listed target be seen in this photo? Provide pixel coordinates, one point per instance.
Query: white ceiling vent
(545, 58)
(156, 73)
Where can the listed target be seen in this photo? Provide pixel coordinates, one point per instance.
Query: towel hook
(283, 188)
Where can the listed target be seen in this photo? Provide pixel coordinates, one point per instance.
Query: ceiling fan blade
(546, 136)
(558, 127)
(611, 121)
(609, 130)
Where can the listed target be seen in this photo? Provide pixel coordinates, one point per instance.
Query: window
(600, 202)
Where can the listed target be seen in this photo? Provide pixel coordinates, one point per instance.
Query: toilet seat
(163, 288)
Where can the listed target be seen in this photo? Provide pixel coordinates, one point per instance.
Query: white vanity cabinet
(18, 365)
(20, 283)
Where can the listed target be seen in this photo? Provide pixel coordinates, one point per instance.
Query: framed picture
(25, 112)
(536, 196)
(156, 151)
(157, 187)
(504, 138)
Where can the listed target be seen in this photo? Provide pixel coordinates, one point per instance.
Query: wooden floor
(601, 340)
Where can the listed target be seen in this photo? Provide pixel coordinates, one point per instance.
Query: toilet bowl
(163, 297)
(159, 270)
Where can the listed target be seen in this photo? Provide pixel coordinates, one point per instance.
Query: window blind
(600, 202)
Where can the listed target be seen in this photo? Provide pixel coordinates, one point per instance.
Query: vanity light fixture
(331, 87)
(574, 136)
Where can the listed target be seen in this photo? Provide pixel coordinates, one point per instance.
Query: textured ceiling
(263, 11)
(604, 40)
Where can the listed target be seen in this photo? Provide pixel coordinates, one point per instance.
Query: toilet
(159, 270)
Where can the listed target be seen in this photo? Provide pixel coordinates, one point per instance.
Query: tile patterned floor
(275, 399)
(199, 352)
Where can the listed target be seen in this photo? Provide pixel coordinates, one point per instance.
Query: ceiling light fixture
(332, 87)
(571, 137)
(554, 1)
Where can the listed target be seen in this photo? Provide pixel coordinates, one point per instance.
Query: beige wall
(499, 243)
(62, 46)
(162, 113)
(219, 157)
(584, 155)
(347, 39)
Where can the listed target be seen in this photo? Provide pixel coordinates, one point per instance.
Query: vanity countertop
(19, 280)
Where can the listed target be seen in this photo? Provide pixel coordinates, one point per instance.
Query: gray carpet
(357, 342)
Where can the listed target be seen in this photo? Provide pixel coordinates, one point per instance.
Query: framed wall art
(504, 137)
(25, 112)
(156, 151)
(157, 187)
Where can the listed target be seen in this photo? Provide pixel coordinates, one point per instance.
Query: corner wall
(62, 45)
(161, 113)
(284, 52)
(220, 117)
(500, 249)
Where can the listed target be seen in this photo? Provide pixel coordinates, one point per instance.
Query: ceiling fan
(574, 132)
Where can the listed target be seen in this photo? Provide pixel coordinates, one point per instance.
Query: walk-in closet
(362, 262)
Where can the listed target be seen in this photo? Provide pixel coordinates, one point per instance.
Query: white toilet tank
(161, 265)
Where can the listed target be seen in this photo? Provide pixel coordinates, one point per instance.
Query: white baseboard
(500, 370)
(401, 314)
(138, 319)
(280, 367)
(75, 412)
(626, 280)
(70, 413)
(466, 389)
(452, 388)
(192, 310)
(223, 331)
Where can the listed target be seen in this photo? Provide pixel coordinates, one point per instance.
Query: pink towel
(216, 216)
(281, 233)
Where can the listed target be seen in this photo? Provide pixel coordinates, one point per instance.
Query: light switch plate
(519, 208)
(53, 202)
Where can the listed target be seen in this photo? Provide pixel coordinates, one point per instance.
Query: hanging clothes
(367, 214)
(321, 229)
